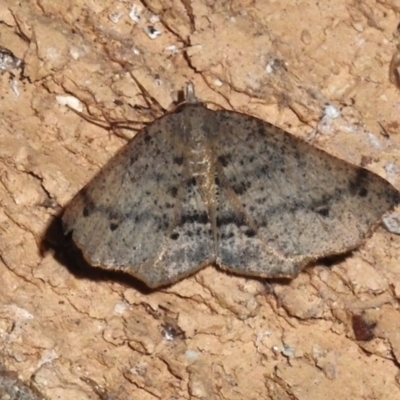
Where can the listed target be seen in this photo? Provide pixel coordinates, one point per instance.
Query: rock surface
(319, 71)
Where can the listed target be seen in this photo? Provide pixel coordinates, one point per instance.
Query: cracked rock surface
(317, 70)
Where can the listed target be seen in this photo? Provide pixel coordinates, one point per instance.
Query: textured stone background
(236, 338)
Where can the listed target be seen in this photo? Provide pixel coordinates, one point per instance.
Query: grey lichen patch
(12, 388)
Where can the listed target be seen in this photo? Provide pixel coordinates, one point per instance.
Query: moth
(199, 187)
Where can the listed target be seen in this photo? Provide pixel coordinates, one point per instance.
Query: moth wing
(141, 214)
(283, 202)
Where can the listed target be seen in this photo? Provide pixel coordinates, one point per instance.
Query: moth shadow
(70, 256)
(331, 261)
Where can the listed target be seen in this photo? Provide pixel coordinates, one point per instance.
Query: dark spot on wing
(174, 236)
(250, 233)
(178, 160)
(224, 160)
(358, 184)
(230, 218)
(192, 181)
(200, 218)
(173, 191)
(323, 211)
(363, 192)
(113, 226)
(241, 187)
